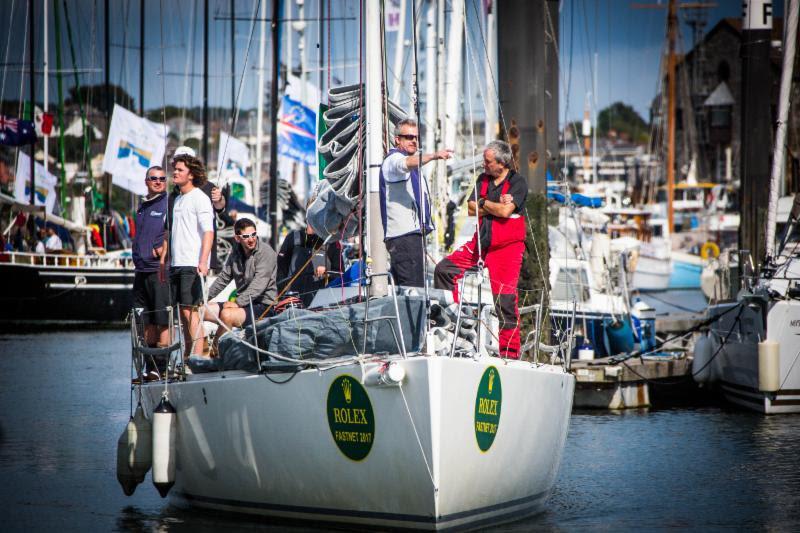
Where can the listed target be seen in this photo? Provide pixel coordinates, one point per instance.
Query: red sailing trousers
(503, 258)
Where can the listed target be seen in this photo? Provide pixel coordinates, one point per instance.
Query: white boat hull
(248, 444)
(652, 273)
(735, 368)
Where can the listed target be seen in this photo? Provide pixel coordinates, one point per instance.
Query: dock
(608, 383)
(604, 384)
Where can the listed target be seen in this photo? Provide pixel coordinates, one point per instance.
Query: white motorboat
(752, 350)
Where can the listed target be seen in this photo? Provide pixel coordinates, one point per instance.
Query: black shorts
(152, 296)
(258, 310)
(186, 286)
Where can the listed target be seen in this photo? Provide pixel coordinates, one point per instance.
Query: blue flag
(296, 137)
(14, 132)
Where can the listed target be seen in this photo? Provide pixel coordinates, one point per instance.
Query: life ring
(709, 250)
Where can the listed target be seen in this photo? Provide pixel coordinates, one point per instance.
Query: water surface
(64, 401)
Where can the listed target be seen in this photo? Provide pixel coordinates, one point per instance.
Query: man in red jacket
(499, 241)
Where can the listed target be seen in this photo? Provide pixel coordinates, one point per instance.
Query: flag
(45, 193)
(15, 132)
(296, 132)
(392, 10)
(234, 156)
(134, 145)
(43, 122)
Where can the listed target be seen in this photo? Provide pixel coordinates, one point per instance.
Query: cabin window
(570, 286)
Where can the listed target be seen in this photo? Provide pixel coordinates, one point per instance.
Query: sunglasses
(248, 235)
(408, 137)
(158, 178)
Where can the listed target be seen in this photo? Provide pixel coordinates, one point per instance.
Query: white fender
(701, 364)
(769, 366)
(164, 430)
(141, 457)
(125, 475)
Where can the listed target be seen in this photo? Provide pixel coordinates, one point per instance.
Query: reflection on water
(64, 400)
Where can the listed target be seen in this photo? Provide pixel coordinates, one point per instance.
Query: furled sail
(332, 211)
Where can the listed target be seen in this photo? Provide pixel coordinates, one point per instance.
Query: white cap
(183, 150)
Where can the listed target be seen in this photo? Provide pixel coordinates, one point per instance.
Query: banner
(134, 145)
(234, 156)
(45, 184)
(296, 132)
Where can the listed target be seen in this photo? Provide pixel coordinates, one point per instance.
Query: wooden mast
(672, 30)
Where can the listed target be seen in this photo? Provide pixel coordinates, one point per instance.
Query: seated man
(252, 265)
(297, 247)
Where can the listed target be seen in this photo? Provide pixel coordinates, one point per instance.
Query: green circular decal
(487, 408)
(350, 417)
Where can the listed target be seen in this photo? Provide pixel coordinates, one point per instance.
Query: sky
(628, 42)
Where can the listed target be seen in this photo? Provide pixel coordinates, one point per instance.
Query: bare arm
(205, 251)
(217, 199)
(502, 209)
(412, 161)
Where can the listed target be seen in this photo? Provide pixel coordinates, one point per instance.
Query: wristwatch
(481, 202)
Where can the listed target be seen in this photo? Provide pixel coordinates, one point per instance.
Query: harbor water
(64, 399)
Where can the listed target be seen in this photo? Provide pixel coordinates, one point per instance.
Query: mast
(321, 38)
(233, 63)
(107, 56)
(32, 77)
(273, 131)
(141, 58)
(374, 152)
(779, 156)
(204, 146)
(431, 94)
(441, 188)
(260, 111)
(595, 177)
(45, 106)
(672, 29)
(397, 66)
(491, 75)
(453, 80)
(756, 124)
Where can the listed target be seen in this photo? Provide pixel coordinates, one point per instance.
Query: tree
(95, 95)
(623, 120)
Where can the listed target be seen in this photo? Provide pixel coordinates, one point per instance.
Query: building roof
(720, 96)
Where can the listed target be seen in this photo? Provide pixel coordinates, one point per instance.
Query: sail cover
(339, 332)
(332, 211)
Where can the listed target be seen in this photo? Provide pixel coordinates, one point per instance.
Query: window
(569, 286)
(721, 116)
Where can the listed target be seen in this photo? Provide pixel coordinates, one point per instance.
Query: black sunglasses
(248, 235)
(408, 137)
(158, 178)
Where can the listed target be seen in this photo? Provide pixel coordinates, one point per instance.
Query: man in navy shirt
(150, 289)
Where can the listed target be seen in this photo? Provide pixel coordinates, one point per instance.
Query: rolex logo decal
(350, 417)
(488, 401)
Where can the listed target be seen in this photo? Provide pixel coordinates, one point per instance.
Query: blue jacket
(150, 219)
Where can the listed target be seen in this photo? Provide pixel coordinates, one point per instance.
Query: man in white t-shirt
(53, 241)
(191, 233)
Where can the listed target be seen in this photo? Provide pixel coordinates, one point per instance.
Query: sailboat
(751, 351)
(87, 285)
(376, 413)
